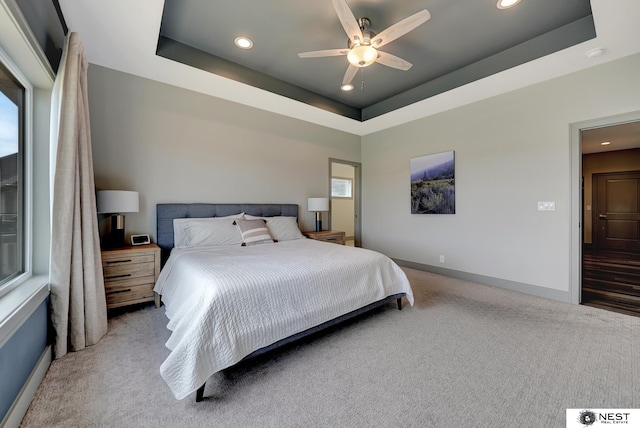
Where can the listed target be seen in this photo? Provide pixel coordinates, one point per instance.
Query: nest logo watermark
(581, 418)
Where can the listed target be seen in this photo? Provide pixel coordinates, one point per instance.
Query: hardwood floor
(611, 280)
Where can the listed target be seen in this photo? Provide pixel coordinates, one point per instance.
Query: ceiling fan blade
(393, 61)
(350, 74)
(348, 21)
(401, 28)
(326, 52)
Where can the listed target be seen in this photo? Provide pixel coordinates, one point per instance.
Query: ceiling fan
(362, 47)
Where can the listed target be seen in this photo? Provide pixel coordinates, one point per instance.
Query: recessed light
(506, 4)
(605, 143)
(243, 42)
(346, 87)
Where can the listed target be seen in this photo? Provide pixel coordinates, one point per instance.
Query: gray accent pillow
(254, 231)
(282, 228)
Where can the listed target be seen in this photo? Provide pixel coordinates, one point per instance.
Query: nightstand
(333, 236)
(130, 274)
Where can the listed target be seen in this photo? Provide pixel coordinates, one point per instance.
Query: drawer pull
(119, 291)
(126, 275)
(119, 261)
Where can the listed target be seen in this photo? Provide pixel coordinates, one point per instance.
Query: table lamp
(318, 205)
(116, 202)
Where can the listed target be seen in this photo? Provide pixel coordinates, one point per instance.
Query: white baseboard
(534, 290)
(21, 404)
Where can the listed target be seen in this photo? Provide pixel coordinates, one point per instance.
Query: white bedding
(223, 303)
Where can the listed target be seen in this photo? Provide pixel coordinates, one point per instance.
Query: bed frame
(166, 213)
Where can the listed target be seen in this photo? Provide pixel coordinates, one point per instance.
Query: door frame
(357, 204)
(575, 274)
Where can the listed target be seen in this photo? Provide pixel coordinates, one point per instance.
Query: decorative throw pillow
(254, 231)
(281, 228)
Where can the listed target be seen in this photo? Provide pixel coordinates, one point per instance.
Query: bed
(227, 301)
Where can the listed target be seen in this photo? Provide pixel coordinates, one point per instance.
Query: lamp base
(115, 237)
(318, 222)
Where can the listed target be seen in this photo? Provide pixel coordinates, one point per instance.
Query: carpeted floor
(465, 355)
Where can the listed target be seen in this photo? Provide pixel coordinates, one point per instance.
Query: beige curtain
(78, 306)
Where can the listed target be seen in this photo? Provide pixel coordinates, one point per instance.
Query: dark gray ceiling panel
(564, 37)
(465, 40)
(182, 53)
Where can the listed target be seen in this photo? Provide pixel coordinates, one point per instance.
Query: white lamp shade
(318, 204)
(117, 201)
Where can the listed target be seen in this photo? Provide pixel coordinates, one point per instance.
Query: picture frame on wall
(433, 185)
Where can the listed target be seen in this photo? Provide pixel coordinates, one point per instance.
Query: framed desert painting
(433, 184)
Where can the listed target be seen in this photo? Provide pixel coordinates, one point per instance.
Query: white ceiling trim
(123, 35)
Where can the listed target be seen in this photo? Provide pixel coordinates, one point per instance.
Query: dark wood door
(617, 211)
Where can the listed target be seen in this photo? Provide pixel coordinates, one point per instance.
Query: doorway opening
(344, 214)
(610, 217)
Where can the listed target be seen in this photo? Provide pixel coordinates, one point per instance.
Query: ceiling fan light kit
(363, 44)
(362, 56)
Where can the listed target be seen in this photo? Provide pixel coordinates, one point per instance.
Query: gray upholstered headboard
(165, 213)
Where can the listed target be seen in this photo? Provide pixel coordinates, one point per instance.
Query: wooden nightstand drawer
(130, 295)
(130, 274)
(124, 259)
(116, 273)
(123, 283)
(333, 236)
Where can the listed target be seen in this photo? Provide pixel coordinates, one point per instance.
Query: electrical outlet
(441, 259)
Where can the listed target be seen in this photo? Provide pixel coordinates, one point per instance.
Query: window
(341, 187)
(12, 112)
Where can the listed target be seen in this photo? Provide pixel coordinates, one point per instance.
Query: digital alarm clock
(140, 239)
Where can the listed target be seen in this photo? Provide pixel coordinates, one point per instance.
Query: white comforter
(225, 302)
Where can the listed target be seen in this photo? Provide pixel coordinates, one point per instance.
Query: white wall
(174, 145)
(511, 151)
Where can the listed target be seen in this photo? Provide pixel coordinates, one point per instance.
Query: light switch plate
(546, 206)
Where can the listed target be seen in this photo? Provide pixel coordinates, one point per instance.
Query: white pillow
(195, 232)
(281, 228)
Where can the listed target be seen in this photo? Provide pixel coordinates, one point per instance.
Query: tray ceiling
(464, 41)
(127, 36)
